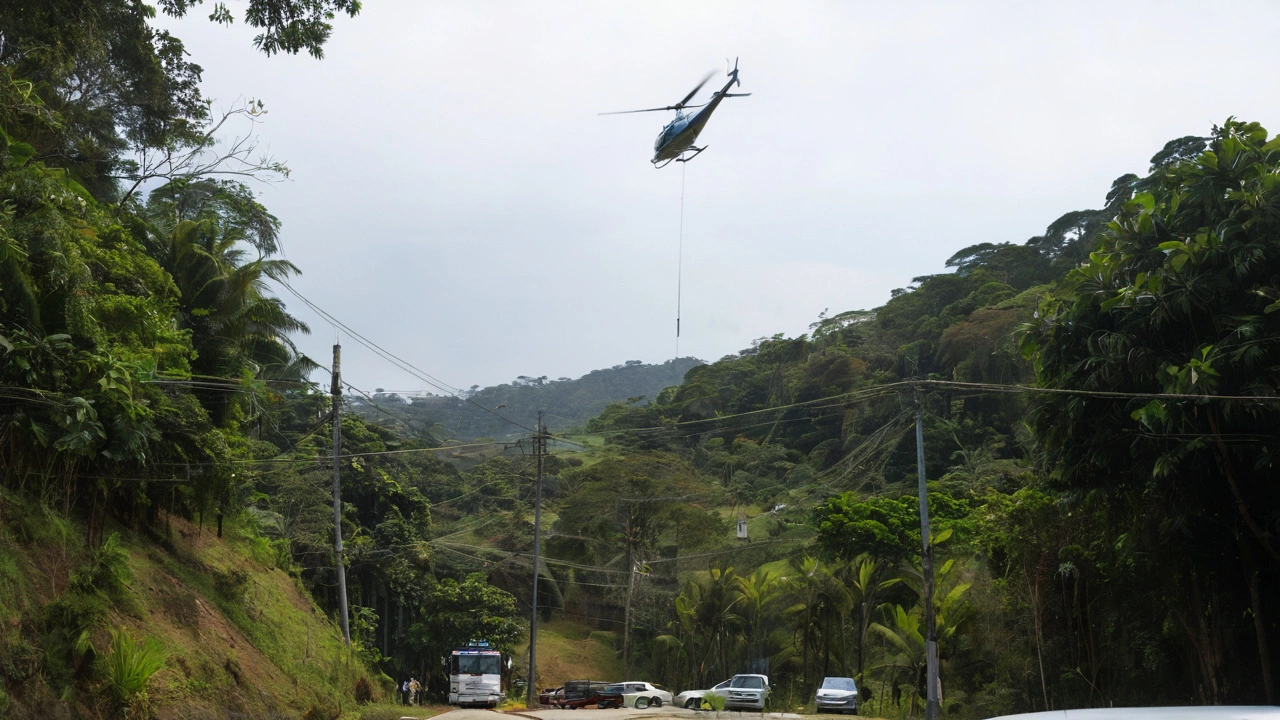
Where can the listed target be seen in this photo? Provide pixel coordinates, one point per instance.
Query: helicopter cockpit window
(664, 136)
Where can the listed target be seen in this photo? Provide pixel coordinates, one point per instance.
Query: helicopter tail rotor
(733, 74)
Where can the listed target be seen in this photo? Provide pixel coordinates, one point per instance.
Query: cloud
(456, 197)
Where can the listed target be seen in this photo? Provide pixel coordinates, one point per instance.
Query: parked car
(749, 692)
(580, 693)
(642, 695)
(609, 696)
(692, 699)
(550, 696)
(838, 694)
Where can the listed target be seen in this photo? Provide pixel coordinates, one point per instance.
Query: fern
(130, 665)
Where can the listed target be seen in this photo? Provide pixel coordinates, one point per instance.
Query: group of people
(412, 692)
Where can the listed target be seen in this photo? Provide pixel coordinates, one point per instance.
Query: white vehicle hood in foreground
(1221, 712)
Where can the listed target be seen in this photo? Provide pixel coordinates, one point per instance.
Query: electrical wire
(399, 362)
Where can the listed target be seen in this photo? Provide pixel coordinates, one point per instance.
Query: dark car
(580, 693)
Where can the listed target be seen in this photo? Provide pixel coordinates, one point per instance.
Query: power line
(895, 388)
(399, 362)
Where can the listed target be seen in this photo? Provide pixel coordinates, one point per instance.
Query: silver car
(838, 694)
(747, 692)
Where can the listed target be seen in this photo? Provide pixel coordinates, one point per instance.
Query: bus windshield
(476, 665)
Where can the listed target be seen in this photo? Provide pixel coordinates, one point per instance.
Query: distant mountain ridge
(565, 402)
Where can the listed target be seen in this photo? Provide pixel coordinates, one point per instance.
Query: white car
(739, 692)
(837, 694)
(692, 699)
(642, 695)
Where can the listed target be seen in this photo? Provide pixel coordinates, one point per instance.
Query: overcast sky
(456, 198)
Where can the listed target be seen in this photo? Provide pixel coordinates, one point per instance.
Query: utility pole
(626, 625)
(539, 447)
(931, 626)
(337, 494)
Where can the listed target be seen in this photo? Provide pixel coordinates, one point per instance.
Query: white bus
(475, 676)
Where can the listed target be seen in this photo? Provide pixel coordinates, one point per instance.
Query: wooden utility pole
(931, 626)
(336, 391)
(539, 447)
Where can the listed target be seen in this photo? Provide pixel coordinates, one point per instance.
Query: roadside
(396, 711)
(400, 712)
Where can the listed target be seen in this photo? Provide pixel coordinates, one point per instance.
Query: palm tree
(905, 635)
(864, 588)
(204, 235)
(820, 600)
(758, 593)
(718, 619)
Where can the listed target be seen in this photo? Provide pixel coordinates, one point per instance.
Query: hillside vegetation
(233, 632)
(1107, 543)
(1096, 408)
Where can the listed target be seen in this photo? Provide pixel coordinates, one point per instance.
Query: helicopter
(676, 141)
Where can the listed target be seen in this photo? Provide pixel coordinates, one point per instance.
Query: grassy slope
(240, 634)
(569, 651)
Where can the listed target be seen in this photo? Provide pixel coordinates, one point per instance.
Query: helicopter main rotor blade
(669, 107)
(693, 92)
(628, 112)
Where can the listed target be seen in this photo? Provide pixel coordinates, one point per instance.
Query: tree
(288, 26)
(455, 613)
(1180, 298)
(118, 87)
(819, 601)
(882, 528)
(201, 234)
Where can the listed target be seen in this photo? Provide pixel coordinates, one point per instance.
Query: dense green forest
(1106, 523)
(565, 402)
(1097, 406)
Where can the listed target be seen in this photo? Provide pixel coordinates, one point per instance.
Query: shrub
(128, 667)
(107, 570)
(231, 584)
(364, 693)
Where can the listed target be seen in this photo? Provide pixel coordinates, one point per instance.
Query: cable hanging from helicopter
(676, 143)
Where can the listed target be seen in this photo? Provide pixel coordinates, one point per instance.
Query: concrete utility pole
(539, 447)
(337, 494)
(930, 623)
(626, 625)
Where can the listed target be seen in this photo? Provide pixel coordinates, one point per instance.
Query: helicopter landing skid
(681, 158)
(696, 151)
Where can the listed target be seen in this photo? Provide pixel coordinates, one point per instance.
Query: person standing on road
(404, 693)
(415, 691)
